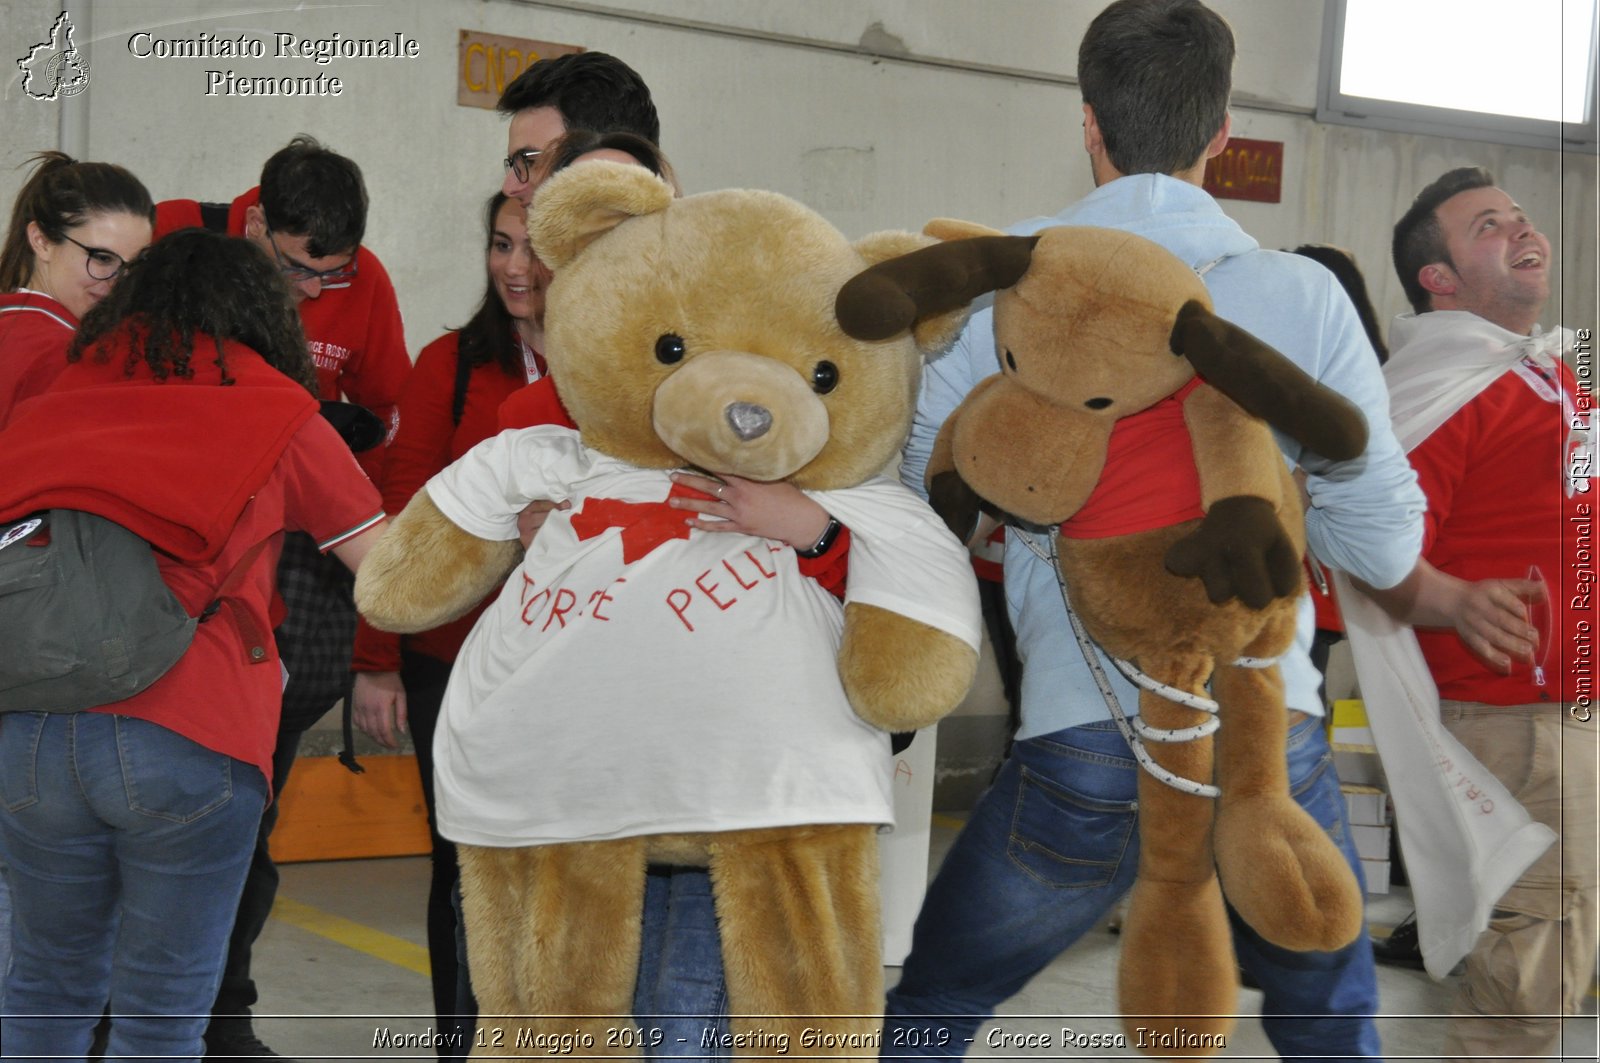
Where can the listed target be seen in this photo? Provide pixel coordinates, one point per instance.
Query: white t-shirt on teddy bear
(692, 686)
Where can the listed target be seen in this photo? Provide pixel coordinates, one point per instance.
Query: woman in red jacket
(186, 415)
(449, 404)
(73, 227)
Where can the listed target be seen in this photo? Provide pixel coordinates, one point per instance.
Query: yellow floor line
(944, 819)
(352, 935)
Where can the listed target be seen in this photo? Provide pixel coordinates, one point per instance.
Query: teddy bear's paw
(1285, 876)
(1240, 550)
(1177, 973)
(425, 571)
(899, 674)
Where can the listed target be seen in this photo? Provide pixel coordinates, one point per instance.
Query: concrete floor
(344, 957)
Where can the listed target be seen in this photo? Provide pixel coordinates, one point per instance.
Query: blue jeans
(5, 933)
(681, 1000)
(127, 846)
(1051, 847)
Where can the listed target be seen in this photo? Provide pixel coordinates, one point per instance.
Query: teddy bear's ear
(955, 229)
(586, 201)
(931, 286)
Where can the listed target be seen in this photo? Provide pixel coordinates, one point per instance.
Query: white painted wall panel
(745, 100)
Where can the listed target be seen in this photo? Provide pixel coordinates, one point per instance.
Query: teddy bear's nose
(748, 420)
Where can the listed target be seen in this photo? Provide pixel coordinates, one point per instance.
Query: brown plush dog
(1100, 332)
(697, 332)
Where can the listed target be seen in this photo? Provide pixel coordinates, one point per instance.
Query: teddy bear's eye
(669, 349)
(824, 378)
(1012, 362)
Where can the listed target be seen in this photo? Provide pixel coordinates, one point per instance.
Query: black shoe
(235, 1038)
(1401, 948)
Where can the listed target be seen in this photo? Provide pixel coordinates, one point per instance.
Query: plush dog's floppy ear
(1267, 385)
(931, 333)
(584, 202)
(886, 299)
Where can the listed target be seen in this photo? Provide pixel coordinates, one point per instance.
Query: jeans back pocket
(19, 759)
(1065, 839)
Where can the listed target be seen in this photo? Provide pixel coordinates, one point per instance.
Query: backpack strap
(214, 216)
(458, 404)
(255, 638)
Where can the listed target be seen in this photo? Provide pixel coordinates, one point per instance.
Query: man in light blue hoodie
(1053, 844)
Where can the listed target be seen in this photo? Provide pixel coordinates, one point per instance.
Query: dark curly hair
(196, 283)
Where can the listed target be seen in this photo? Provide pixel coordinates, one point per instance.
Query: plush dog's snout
(748, 420)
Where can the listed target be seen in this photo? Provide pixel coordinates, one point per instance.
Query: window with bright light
(1511, 71)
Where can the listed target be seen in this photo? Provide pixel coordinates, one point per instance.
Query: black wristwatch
(824, 543)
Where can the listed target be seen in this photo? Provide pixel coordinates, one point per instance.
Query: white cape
(1464, 837)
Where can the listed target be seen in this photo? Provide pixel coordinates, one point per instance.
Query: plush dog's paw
(1285, 876)
(900, 674)
(1240, 550)
(425, 571)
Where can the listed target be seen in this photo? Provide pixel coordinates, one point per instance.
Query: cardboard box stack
(1361, 778)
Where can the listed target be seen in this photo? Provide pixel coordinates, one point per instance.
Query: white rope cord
(1129, 735)
(1136, 731)
(1155, 686)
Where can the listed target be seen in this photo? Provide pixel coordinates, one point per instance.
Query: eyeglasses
(296, 273)
(100, 264)
(521, 162)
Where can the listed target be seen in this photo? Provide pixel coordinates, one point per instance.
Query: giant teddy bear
(1110, 352)
(642, 692)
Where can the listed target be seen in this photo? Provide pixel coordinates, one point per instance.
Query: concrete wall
(879, 113)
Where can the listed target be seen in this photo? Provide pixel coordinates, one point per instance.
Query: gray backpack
(85, 617)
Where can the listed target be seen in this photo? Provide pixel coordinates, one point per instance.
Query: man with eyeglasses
(309, 215)
(589, 90)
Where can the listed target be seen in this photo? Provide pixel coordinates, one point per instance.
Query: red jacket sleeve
(420, 448)
(831, 569)
(376, 373)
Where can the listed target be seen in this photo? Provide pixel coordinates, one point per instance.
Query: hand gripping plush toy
(1101, 335)
(642, 692)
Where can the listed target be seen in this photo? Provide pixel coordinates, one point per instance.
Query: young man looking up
(1503, 445)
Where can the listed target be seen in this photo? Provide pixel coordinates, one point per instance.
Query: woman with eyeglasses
(74, 226)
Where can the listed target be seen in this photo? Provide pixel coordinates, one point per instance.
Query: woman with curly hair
(186, 416)
(74, 225)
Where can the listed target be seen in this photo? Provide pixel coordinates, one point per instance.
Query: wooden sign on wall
(489, 62)
(1247, 169)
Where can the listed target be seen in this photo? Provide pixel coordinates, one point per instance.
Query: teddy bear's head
(701, 330)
